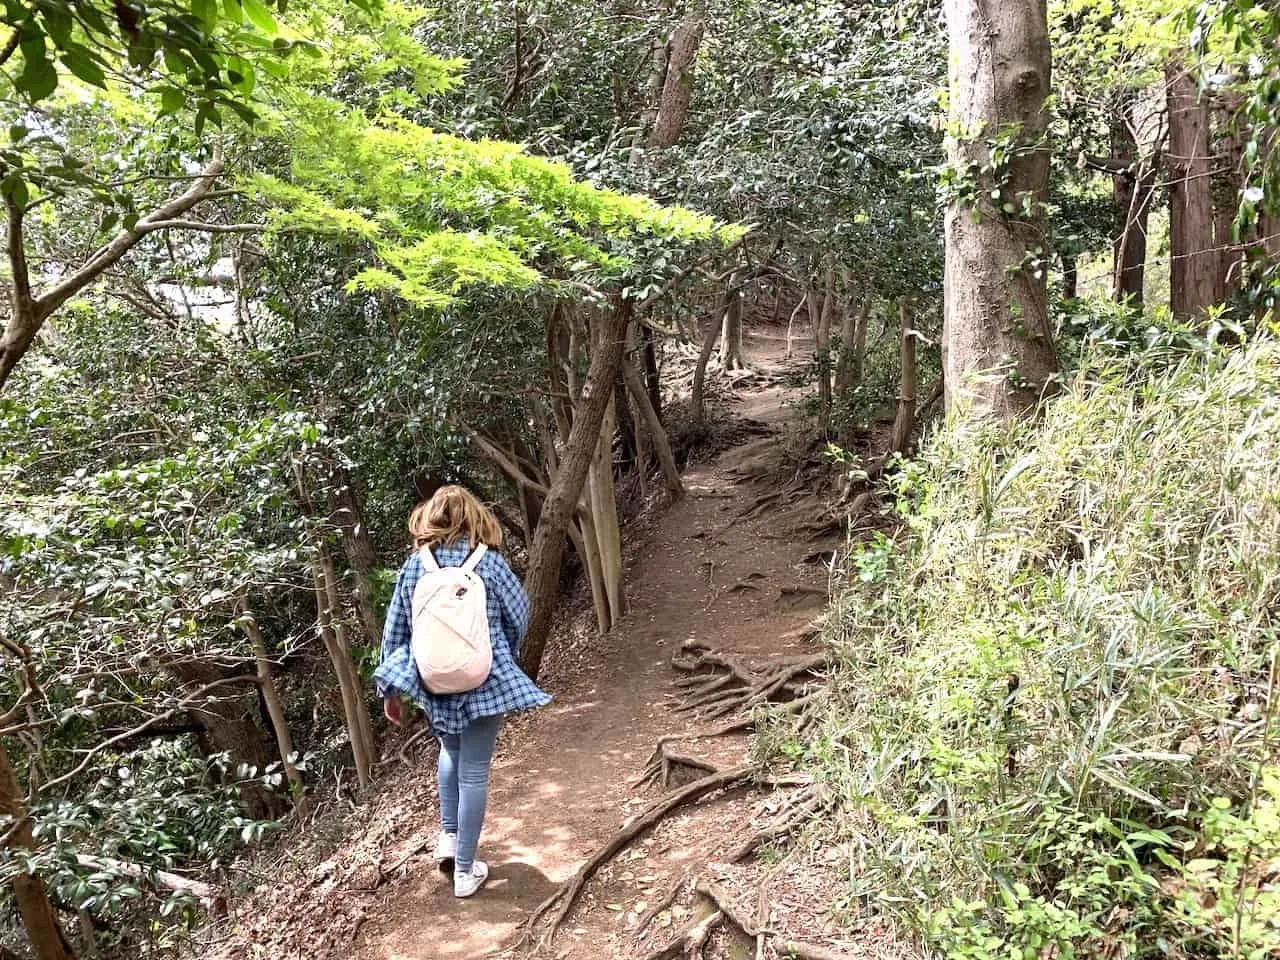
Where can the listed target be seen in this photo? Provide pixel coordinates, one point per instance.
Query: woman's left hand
(393, 709)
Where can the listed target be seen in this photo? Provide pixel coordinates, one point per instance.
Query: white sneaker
(446, 846)
(465, 884)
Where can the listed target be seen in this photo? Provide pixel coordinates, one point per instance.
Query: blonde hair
(450, 515)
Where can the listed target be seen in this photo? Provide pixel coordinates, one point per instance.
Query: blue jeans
(464, 784)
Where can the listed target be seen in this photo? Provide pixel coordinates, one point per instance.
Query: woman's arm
(397, 658)
(513, 601)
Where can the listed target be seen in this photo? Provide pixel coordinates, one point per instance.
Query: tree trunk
(543, 579)
(822, 336)
(43, 933)
(1070, 276)
(346, 511)
(731, 334)
(275, 710)
(997, 339)
(904, 423)
(1131, 192)
(652, 378)
(677, 88)
(1193, 274)
(604, 514)
(653, 96)
(656, 432)
(1227, 184)
(226, 725)
(329, 625)
(697, 397)
(625, 426)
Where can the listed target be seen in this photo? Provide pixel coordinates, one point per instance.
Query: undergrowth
(1051, 723)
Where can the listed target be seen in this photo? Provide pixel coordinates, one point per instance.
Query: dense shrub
(1054, 704)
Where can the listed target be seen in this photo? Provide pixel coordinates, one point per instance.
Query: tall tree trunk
(543, 579)
(1070, 276)
(626, 427)
(329, 623)
(997, 339)
(346, 511)
(822, 334)
(1194, 272)
(652, 97)
(1227, 184)
(275, 710)
(604, 513)
(904, 423)
(43, 932)
(656, 432)
(652, 379)
(731, 334)
(697, 396)
(677, 89)
(1131, 193)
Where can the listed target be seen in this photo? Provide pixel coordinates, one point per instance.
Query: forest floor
(722, 567)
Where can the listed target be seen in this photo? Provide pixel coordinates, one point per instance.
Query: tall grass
(1066, 665)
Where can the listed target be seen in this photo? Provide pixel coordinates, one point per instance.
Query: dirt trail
(563, 781)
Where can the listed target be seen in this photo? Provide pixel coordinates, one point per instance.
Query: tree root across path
(718, 684)
(567, 893)
(714, 685)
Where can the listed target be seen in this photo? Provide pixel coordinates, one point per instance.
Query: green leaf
(171, 100)
(15, 188)
(207, 11)
(18, 133)
(233, 10)
(39, 78)
(260, 16)
(80, 62)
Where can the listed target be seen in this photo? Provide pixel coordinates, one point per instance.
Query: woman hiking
(447, 531)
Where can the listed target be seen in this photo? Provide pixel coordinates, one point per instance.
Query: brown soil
(709, 568)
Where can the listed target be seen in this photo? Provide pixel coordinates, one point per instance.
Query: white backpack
(450, 641)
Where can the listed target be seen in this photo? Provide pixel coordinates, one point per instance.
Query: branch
(18, 260)
(10, 46)
(152, 226)
(183, 705)
(125, 241)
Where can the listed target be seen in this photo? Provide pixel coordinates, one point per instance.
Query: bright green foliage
(1068, 661)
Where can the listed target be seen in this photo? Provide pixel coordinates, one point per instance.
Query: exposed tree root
(719, 685)
(667, 762)
(662, 903)
(566, 895)
(690, 941)
(804, 806)
(725, 905)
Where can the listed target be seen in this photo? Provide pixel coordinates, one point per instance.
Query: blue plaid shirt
(508, 688)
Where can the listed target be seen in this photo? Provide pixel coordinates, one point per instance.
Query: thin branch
(10, 46)
(183, 705)
(152, 226)
(112, 253)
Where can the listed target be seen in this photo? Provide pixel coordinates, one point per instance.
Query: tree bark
(904, 423)
(731, 334)
(1131, 192)
(346, 511)
(677, 88)
(358, 731)
(41, 923)
(652, 378)
(543, 579)
(697, 393)
(1070, 276)
(275, 710)
(997, 339)
(1194, 272)
(657, 433)
(604, 514)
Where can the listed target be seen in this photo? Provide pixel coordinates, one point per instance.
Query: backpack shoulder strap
(428, 558)
(469, 565)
